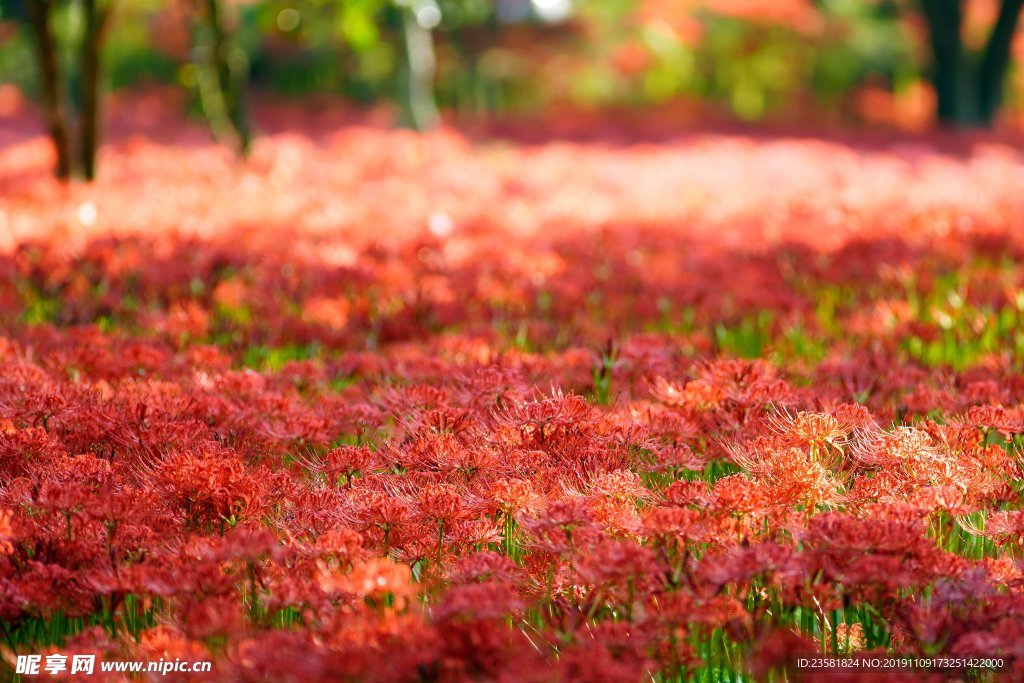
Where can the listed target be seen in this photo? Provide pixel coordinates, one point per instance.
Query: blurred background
(897, 64)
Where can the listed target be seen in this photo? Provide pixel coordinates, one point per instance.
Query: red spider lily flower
(467, 446)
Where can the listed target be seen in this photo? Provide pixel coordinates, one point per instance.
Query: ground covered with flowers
(376, 406)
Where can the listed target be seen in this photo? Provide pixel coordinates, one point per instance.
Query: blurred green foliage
(497, 55)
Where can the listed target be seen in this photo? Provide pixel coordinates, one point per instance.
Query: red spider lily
(509, 433)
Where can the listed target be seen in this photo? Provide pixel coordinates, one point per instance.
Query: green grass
(273, 358)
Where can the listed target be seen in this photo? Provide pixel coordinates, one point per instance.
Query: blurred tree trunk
(222, 83)
(416, 87)
(40, 16)
(968, 91)
(95, 23)
(478, 93)
(996, 59)
(949, 76)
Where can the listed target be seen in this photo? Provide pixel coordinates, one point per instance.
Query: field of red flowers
(376, 406)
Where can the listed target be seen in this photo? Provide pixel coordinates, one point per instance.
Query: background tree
(40, 16)
(95, 19)
(223, 76)
(73, 130)
(968, 87)
(844, 61)
(416, 85)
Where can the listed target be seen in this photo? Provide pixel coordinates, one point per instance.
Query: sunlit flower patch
(402, 408)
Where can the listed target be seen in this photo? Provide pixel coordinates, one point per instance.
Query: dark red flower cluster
(401, 408)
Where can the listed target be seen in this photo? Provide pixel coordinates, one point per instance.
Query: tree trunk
(224, 92)
(950, 74)
(94, 21)
(416, 96)
(39, 12)
(996, 60)
(968, 92)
